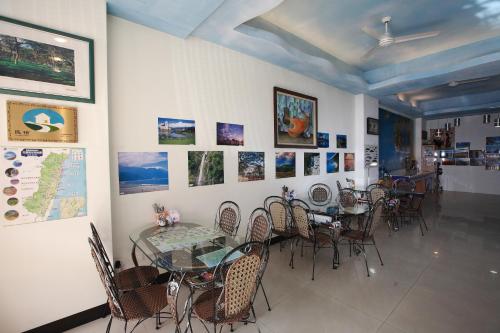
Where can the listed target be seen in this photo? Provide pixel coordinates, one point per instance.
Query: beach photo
(311, 164)
(205, 168)
(349, 162)
(229, 134)
(285, 165)
(332, 162)
(176, 131)
(250, 166)
(143, 172)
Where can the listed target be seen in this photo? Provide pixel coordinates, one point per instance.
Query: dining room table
(185, 248)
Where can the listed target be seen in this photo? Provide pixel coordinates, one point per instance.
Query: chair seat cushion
(136, 277)
(144, 302)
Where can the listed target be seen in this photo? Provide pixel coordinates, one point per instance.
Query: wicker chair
(375, 192)
(137, 304)
(228, 218)
(414, 210)
(283, 224)
(309, 234)
(260, 230)
(269, 200)
(320, 194)
(127, 279)
(232, 302)
(359, 238)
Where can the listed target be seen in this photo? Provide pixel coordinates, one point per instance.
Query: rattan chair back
(280, 216)
(377, 192)
(259, 227)
(347, 198)
(100, 247)
(404, 185)
(320, 194)
(376, 217)
(108, 282)
(228, 218)
(240, 280)
(269, 200)
(301, 219)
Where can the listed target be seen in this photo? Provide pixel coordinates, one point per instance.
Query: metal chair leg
(423, 220)
(109, 323)
(302, 249)
(366, 260)
(376, 248)
(265, 296)
(314, 259)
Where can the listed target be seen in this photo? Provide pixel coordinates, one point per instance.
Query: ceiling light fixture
(493, 272)
(486, 118)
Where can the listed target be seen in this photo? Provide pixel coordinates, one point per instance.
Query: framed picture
(229, 134)
(42, 62)
(40, 122)
(323, 140)
(349, 162)
(341, 141)
(285, 165)
(140, 172)
(295, 120)
(372, 126)
(205, 168)
(332, 162)
(176, 131)
(311, 164)
(250, 166)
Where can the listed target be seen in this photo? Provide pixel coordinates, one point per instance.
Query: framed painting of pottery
(42, 62)
(295, 120)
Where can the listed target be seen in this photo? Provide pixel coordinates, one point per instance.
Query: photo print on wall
(341, 141)
(311, 164)
(250, 166)
(205, 168)
(323, 140)
(332, 162)
(285, 165)
(140, 172)
(173, 131)
(349, 162)
(229, 134)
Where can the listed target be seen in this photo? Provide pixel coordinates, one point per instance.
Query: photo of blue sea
(143, 172)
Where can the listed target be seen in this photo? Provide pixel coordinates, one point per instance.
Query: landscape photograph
(311, 164)
(250, 166)
(332, 162)
(30, 60)
(176, 131)
(205, 168)
(143, 172)
(285, 165)
(229, 134)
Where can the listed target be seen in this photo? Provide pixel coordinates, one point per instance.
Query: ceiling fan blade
(370, 53)
(372, 33)
(407, 38)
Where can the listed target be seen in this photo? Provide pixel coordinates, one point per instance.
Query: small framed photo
(372, 126)
(42, 62)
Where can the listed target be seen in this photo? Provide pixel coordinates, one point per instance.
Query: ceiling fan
(387, 38)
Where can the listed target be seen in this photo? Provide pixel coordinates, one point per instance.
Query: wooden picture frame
(297, 127)
(42, 62)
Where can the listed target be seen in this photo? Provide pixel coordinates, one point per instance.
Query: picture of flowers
(295, 119)
(285, 165)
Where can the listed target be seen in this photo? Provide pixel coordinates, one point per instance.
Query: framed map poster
(42, 184)
(40, 122)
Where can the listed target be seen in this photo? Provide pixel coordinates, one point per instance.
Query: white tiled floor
(416, 290)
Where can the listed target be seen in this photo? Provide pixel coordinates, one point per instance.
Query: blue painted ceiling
(323, 39)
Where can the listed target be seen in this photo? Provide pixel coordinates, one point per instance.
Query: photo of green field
(30, 60)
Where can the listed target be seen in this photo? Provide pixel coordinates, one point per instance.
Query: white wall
(153, 74)
(473, 179)
(47, 271)
(365, 107)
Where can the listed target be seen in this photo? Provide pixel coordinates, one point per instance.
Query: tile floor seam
(404, 297)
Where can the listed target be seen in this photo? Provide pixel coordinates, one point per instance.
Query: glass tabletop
(184, 247)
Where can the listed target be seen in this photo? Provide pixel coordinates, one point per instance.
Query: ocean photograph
(140, 172)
